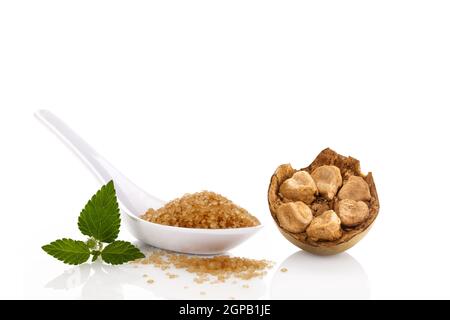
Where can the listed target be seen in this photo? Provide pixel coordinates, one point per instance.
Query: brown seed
(327, 226)
(356, 188)
(328, 180)
(351, 212)
(294, 216)
(301, 187)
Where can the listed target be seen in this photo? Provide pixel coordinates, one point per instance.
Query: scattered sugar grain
(220, 267)
(214, 269)
(171, 275)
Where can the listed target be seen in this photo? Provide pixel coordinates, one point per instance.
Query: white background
(190, 95)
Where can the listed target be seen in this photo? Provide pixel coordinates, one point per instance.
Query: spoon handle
(136, 200)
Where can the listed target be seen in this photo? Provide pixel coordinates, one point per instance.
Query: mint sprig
(100, 220)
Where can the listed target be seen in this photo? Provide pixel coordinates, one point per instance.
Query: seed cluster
(206, 210)
(326, 207)
(323, 203)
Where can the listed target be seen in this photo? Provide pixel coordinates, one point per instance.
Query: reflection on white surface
(315, 277)
(101, 281)
(97, 281)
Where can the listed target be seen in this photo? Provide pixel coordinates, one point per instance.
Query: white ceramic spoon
(135, 201)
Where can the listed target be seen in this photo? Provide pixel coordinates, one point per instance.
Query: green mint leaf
(100, 218)
(68, 251)
(120, 252)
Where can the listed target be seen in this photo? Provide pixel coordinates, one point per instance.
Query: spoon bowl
(187, 240)
(134, 201)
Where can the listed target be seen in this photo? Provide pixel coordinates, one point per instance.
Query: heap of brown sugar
(209, 269)
(206, 210)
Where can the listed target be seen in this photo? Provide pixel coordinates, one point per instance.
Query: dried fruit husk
(348, 166)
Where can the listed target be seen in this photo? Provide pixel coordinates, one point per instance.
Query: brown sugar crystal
(205, 210)
(171, 275)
